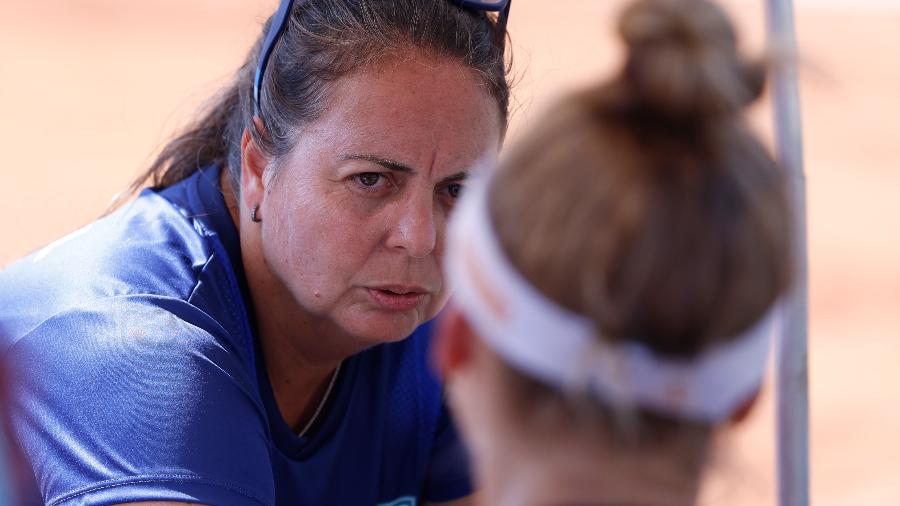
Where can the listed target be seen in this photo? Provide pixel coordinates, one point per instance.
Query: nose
(416, 227)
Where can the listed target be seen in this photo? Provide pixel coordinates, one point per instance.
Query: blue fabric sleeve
(448, 476)
(6, 472)
(139, 398)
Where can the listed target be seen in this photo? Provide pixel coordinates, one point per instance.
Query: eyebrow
(399, 167)
(454, 178)
(384, 162)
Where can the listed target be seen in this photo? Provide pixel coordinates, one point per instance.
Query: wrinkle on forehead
(394, 112)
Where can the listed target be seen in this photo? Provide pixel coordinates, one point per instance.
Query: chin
(377, 327)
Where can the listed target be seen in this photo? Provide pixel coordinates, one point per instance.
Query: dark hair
(325, 40)
(646, 203)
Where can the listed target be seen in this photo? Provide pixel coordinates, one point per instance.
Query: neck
(567, 471)
(299, 374)
(300, 351)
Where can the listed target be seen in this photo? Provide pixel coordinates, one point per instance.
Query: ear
(253, 165)
(452, 347)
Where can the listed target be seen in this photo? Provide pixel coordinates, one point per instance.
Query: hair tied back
(682, 60)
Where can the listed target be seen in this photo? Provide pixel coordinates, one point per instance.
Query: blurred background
(91, 89)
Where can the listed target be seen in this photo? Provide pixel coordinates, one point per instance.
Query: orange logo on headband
(494, 304)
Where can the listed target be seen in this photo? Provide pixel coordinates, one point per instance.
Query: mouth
(397, 297)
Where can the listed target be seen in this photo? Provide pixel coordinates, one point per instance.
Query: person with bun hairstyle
(252, 329)
(617, 277)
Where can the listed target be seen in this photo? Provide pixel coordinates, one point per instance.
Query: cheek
(319, 244)
(439, 300)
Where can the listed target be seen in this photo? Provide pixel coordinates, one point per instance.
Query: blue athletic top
(6, 471)
(137, 377)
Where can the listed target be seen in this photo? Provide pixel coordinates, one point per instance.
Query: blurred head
(645, 206)
(371, 113)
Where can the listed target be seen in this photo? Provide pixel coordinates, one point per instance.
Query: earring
(253, 213)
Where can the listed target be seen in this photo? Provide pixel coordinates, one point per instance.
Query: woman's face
(354, 216)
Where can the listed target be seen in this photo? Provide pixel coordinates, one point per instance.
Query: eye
(369, 179)
(455, 190)
(372, 184)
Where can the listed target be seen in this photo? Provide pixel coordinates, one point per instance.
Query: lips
(397, 297)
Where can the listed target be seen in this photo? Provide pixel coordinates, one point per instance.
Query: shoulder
(139, 392)
(139, 346)
(146, 248)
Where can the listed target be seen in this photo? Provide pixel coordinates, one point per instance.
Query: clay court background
(91, 88)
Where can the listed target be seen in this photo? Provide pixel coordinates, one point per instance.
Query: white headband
(561, 348)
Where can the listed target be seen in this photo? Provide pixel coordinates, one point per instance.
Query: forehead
(415, 108)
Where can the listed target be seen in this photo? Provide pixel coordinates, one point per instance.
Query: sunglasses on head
(280, 21)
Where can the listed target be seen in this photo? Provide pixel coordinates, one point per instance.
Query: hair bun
(683, 62)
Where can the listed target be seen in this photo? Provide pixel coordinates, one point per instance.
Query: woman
(615, 278)
(249, 330)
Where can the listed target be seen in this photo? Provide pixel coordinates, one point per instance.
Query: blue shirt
(6, 471)
(137, 377)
